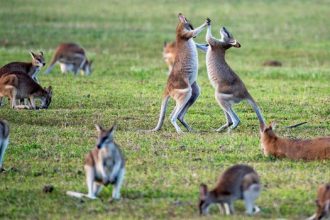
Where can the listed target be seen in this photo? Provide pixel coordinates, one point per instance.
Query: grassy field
(164, 169)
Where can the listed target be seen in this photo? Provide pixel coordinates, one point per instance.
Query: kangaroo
(72, 58)
(18, 85)
(181, 84)
(32, 68)
(4, 140)
(322, 203)
(311, 149)
(229, 88)
(104, 165)
(169, 53)
(237, 182)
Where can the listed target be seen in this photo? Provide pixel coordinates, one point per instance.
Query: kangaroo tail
(52, 63)
(162, 113)
(76, 194)
(257, 110)
(296, 125)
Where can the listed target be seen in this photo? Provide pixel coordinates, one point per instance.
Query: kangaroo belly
(190, 61)
(65, 67)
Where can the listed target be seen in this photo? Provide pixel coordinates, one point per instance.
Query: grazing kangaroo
(72, 58)
(32, 68)
(322, 203)
(311, 149)
(237, 182)
(169, 53)
(18, 85)
(181, 84)
(104, 165)
(229, 88)
(4, 140)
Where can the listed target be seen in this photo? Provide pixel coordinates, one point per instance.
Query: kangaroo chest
(189, 61)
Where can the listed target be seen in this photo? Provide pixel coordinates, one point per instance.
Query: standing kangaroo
(322, 203)
(181, 83)
(237, 182)
(4, 140)
(72, 58)
(32, 68)
(229, 88)
(104, 165)
(18, 85)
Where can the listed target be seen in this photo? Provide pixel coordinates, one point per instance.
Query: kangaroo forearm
(198, 30)
(209, 38)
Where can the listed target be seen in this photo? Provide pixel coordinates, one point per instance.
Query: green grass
(164, 169)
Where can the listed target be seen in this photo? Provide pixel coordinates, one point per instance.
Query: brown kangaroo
(322, 203)
(18, 85)
(32, 68)
(72, 58)
(181, 83)
(311, 149)
(237, 182)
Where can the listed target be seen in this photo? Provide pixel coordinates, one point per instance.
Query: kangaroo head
(184, 25)
(38, 59)
(323, 202)
(228, 39)
(47, 98)
(105, 136)
(205, 199)
(87, 68)
(268, 130)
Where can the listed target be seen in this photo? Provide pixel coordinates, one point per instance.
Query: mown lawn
(164, 170)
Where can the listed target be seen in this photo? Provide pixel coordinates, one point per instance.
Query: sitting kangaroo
(229, 88)
(104, 165)
(295, 149)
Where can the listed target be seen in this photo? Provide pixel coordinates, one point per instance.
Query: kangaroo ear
(165, 43)
(41, 53)
(32, 54)
(113, 128)
(50, 89)
(203, 191)
(98, 128)
(273, 125)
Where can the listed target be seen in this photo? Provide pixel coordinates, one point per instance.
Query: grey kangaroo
(4, 140)
(229, 88)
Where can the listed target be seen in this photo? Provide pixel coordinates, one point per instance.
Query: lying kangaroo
(72, 58)
(312, 149)
(229, 88)
(32, 68)
(237, 182)
(169, 53)
(181, 83)
(104, 165)
(4, 140)
(18, 85)
(322, 203)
